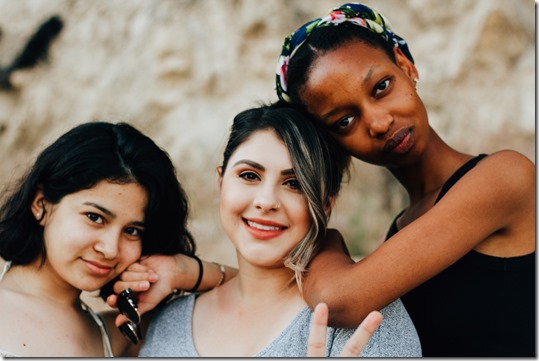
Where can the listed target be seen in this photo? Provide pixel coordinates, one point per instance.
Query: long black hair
(78, 160)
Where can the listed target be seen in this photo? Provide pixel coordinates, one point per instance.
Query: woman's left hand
(353, 347)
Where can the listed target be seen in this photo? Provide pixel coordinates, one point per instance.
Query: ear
(328, 207)
(405, 64)
(38, 206)
(219, 176)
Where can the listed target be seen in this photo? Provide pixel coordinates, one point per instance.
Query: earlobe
(38, 206)
(329, 206)
(405, 64)
(219, 175)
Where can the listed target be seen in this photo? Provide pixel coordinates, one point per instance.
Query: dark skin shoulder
(492, 210)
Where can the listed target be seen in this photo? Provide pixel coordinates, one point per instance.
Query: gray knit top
(170, 334)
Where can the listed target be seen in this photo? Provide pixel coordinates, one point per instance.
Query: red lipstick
(263, 229)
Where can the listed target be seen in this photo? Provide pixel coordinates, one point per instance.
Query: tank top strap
(465, 168)
(104, 334)
(6, 268)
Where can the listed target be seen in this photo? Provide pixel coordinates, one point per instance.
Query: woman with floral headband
(462, 254)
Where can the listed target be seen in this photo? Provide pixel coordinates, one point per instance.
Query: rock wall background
(181, 69)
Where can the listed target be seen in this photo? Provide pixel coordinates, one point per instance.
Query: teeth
(262, 227)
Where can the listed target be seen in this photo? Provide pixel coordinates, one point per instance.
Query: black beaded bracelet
(201, 272)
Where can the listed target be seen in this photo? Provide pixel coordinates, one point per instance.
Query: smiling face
(263, 211)
(368, 102)
(92, 235)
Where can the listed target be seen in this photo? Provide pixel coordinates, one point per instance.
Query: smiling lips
(263, 229)
(400, 142)
(98, 268)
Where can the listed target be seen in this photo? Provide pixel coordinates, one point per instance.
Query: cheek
(232, 200)
(354, 145)
(131, 251)
(63, 233)
(298, 209)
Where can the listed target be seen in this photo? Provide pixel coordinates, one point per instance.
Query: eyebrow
(260, 167)
(369, 75)
(102, 209)
(109, 213)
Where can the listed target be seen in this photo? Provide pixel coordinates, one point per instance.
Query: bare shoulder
(509, 159)
(510, 170)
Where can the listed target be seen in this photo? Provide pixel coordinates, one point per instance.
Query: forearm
(352, 290)
(323, 280)
(326, 281)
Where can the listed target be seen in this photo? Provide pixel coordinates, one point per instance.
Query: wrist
(200, 275)
(186, 272)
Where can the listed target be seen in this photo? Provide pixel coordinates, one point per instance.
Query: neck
(431, 170)
(35, 281)
(257, 285)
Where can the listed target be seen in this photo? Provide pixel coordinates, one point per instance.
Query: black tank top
(479, 306)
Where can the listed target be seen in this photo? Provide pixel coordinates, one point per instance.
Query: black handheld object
(127, 305)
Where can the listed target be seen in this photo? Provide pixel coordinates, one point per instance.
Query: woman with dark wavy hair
(95, 201)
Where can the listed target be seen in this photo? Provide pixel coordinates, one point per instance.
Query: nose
(266, 199)
(108, 244)
(379, 123)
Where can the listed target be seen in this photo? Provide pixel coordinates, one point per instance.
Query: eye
(95, 218)
(134, 232)
(344, 123)
(293, 184)
(249, 176)
(381, 87)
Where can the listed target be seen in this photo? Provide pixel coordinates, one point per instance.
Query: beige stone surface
(181, 69)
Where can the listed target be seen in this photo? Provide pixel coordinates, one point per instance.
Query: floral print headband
(355, 13)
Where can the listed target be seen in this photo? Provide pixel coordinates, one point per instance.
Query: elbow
(340, 312)
(337, 305)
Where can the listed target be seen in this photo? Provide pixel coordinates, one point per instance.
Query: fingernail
(154, 277)
(144, 285)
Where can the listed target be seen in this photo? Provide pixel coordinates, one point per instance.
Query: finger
(361, 336)
(136, 286)
(120, 319)
(137, 267)
(316, 345)
(130, 276)
(111, 300)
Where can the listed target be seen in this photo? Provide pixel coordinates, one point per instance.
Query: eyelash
(339, 127)
(138, 234)
(91, 216)
(377, 87)
(96, 218)
(250, 176)
(296, 186)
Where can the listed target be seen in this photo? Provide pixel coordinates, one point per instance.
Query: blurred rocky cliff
(181, 69)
